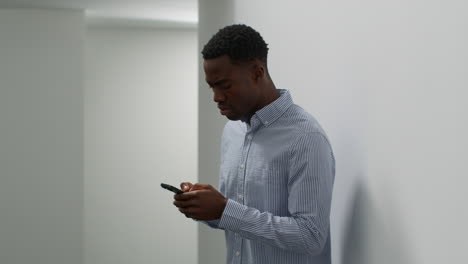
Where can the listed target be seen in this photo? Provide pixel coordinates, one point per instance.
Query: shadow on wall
(374, 235)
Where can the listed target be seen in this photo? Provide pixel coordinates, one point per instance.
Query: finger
(190, 211)
(199, 186)
(186, 186)
(185, 196)
(184, 204)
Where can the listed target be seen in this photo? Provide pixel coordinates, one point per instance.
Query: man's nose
(218, 96)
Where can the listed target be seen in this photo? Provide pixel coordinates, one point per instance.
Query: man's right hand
(200, 201)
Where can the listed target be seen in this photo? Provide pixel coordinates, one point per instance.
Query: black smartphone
(171, 188)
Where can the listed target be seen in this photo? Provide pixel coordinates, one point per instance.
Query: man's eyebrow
(217, 82)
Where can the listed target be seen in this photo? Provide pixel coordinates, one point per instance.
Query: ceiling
(170, 11)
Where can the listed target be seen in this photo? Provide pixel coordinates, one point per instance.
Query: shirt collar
(270, 113)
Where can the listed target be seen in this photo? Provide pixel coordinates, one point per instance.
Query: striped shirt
(277, 173)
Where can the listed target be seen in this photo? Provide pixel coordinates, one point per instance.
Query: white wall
(387, 81)
(41, 136)
(140, 130)
(315, 53)
(212, 16)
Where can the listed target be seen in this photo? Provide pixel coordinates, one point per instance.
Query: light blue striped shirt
(277, 173)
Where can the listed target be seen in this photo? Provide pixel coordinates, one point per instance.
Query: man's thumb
(185, 186)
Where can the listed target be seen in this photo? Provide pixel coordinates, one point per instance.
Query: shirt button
(240, 196)
(266, 122)
(249, 137)
(242, 166)
(237, 253)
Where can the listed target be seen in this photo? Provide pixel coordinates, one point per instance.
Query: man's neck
(272, 95)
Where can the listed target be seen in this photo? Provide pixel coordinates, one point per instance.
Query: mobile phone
(171, 188)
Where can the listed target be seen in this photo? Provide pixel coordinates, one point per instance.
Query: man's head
(235, 64)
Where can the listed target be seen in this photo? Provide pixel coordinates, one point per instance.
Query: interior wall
(140, 130)
(41, 136)
(315, 55)
(213, 14)
(386, 82)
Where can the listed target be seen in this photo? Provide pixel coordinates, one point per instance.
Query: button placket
(242, 167)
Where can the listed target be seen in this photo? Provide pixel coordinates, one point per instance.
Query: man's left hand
(202, 202)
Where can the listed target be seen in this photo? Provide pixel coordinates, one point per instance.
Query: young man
(277, 165)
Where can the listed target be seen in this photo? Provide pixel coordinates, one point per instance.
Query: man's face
(234, 87)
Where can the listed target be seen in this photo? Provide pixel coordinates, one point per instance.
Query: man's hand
(200, 201)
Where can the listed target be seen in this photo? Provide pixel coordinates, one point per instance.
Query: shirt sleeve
(310, 184)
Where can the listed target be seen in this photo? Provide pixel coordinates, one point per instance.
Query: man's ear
(258, 71)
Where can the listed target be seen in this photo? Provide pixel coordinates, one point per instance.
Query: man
(277, 165)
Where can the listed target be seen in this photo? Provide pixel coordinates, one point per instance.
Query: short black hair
(240, 42)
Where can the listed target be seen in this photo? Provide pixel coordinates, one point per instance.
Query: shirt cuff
(232, 215)
(213, 223)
